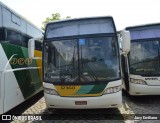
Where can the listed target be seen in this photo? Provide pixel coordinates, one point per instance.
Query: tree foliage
(54, 17)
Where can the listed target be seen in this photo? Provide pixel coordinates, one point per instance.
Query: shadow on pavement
(82, 114)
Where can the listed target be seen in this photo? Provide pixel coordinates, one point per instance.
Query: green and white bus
(20, 76)
(142, 64)
(81, 63)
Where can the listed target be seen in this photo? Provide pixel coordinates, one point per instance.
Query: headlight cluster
(138, 81)
(50, 91)
(112, 89)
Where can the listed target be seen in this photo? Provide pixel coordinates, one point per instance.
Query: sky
(124, 12)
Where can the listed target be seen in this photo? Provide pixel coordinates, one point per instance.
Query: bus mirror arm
(31, 47)
(125, 53)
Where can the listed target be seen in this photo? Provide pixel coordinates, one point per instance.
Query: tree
(54, 17)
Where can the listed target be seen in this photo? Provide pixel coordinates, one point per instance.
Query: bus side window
(14, 37)
(38, 46)
(25, 39)
(1, 34)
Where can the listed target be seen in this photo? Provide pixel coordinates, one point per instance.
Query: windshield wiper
(73, 58)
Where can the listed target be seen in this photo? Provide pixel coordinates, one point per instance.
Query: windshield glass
(81, 60)
(144, 57)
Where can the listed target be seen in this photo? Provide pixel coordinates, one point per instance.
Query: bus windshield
(81, 60)
(144, 57)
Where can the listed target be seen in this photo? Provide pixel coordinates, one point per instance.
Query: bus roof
(80, 26)
(146, 31)
(82, 18)
(143, 26)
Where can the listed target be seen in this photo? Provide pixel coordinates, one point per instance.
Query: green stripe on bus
(85, 89)
(97, 89)
(25, 78)
(36, 81)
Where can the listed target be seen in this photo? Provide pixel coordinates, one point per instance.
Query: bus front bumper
(105, 101)
(137, 89)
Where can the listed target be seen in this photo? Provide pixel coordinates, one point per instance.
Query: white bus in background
(81, 63)
(141, 67)
(20, 76)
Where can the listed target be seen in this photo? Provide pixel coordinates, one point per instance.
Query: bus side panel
(32, 31)
(1, 93)
(34, 73)
(23, 26)
(0, 16)
(13, 21)
(10, 20)
(10, 91)
(2, 64)
(39, 62)
(27, 77)
(13, 94)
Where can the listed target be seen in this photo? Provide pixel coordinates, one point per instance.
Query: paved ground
(138, 106)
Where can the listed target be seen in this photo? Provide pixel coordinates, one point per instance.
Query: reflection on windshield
(145, 58)
(84, 60)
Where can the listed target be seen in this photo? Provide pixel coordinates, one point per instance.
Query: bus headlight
(138, 81)
(112, 89)
(50, 91)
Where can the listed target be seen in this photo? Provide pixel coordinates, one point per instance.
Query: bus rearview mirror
(126, 41)
(31, 48)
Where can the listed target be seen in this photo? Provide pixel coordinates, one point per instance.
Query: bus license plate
(80, 102)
